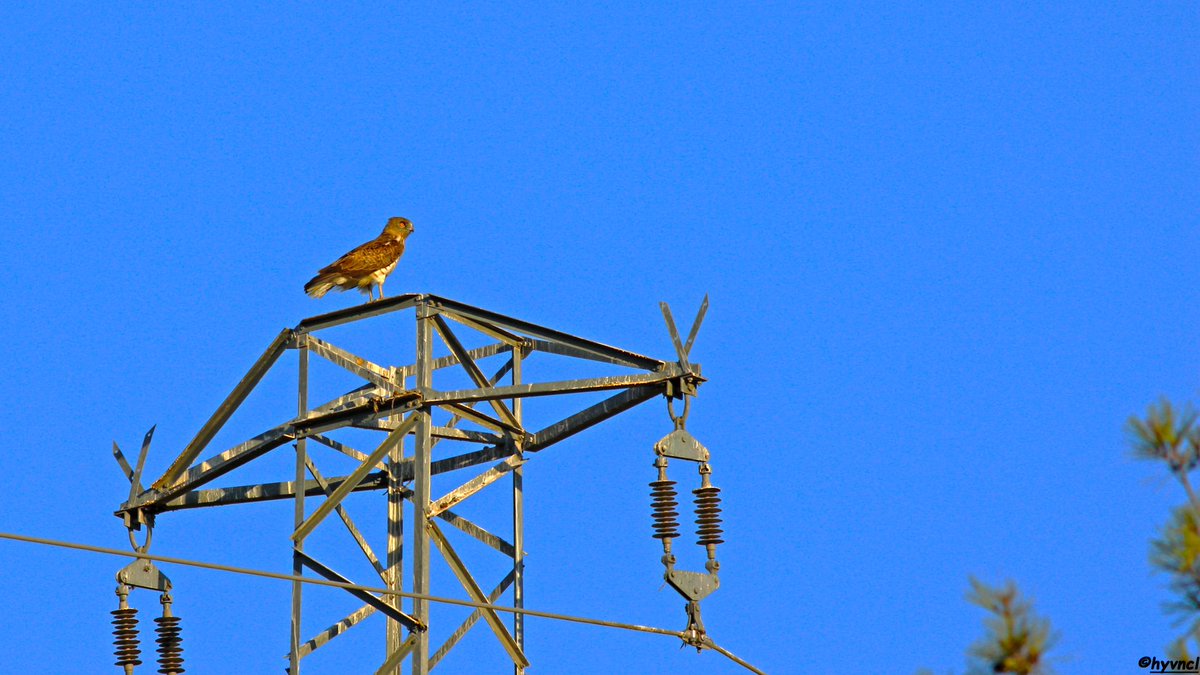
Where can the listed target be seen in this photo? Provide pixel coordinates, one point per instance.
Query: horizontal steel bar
(378, 604)
(263, 492)
(541, 332)
(452, 360)
(466, 460)
(359, 312)
(553, 388)
(370, 409)
(554, 433)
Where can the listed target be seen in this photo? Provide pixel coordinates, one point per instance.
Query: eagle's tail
(321, 284)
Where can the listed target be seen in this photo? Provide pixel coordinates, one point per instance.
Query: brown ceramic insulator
(663, 503)
(708, 519)
(125, 637)
(170, 645)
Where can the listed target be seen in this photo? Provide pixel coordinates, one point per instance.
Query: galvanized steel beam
(470, 621)
(392, 613)
(476, 593)
(225, 410)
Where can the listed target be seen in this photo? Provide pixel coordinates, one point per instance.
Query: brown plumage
(365, 267)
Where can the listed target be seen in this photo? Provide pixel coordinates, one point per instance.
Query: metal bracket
(142, 573)
(683, 349)
(679, 444)
(692, 585)
(694, 634)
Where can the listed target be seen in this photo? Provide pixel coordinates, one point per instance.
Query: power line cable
(369, 589)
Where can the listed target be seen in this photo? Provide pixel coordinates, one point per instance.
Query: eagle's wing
(366, 259)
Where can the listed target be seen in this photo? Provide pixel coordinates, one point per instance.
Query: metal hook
(679, 420)
(133, 540)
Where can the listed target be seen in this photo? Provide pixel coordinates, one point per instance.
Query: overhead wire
(708, 643)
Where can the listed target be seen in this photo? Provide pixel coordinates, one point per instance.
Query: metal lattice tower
(486, 427)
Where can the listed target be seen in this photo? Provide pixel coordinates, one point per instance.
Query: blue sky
(949, 249)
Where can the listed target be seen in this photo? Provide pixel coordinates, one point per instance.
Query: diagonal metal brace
(392, 612)
(683, 349)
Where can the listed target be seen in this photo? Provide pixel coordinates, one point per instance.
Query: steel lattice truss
(485, 429)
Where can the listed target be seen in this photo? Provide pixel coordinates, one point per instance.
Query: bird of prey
(366, 266)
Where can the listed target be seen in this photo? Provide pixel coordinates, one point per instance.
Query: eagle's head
(398, 228)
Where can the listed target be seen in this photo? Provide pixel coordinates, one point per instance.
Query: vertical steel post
(422, 449)
(395, 546)
(301, 455)
(518, 477)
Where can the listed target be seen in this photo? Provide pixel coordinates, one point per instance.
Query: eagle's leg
(380, 290)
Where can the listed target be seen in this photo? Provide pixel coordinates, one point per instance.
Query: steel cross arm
(606, 352)
(226, 409)
(549, 347)
(473, 370)
(366, 597)
(468, 582)
(591, 416)
(231, 459)
(187, 498)
(355, 478)
(245, 494)
(372, 372)
(588, 417)
(670, 372)
(470, 621)
(217, 466)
